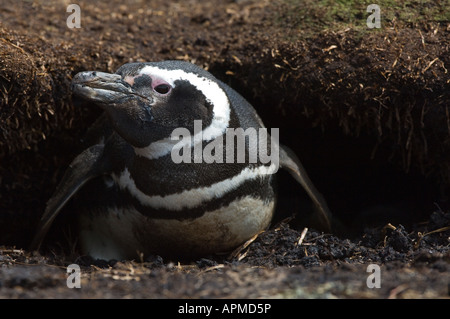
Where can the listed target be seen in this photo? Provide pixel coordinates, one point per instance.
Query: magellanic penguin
(134, 197)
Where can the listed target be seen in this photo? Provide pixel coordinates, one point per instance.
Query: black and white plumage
(131, 196)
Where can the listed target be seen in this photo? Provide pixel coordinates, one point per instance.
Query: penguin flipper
(89, 164)
(290, 162)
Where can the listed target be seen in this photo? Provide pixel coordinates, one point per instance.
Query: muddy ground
(280, 263)
(366, 110)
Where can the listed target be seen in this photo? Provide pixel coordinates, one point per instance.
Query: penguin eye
(162, 88)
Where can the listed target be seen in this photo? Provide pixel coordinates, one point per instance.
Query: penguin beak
(129, 111)
(103, 88)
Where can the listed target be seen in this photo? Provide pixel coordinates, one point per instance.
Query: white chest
(123, 234)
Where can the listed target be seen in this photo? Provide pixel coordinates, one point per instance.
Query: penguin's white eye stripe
(213, 94)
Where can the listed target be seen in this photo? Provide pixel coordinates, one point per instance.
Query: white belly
(126, 234)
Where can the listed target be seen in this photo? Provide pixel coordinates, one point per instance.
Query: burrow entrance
(363, 185)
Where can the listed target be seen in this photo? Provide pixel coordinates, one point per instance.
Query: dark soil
(367, 111)
(412, 264)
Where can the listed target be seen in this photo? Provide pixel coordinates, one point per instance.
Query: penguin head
(146, 102)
